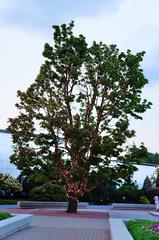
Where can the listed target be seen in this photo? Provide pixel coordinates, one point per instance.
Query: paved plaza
(57, 225)
(88, 224)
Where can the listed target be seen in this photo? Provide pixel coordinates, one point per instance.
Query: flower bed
(143, 229)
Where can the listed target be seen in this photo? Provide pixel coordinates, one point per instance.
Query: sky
(5, 151)
(25, 25)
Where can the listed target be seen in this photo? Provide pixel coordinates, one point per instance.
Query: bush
(144, 200)
(150, 193)
(130, 193)
(9, 186)
(48, 192)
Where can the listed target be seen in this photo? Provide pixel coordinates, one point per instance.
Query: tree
(152, 158)
(130, 192)
(48, 191)
(147, 183)
(157, 178)
(136, 154)
(141, 155)
(75, 117)
(9, 184)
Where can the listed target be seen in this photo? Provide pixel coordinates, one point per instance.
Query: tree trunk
(72, 205)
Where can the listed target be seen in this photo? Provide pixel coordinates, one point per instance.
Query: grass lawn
(4, 215)
(143, 229)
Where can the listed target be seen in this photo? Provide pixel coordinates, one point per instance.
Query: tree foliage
(147, 183)
(75, 115)
(157, 178)
(48, 192)
(130, 192)
(141, 155)
(136, 154)
(9, 184)
(152, 158)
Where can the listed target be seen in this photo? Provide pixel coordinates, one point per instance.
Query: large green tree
(75, 117)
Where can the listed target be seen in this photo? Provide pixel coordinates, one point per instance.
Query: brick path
(58, 213)
(57, 225)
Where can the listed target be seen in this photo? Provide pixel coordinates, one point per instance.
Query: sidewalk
(87, 224)
(60, 226)
(133, 214)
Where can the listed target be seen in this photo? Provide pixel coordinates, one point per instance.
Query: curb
(118, 230)
(14, 224)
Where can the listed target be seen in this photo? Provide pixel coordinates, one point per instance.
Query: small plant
(144, 200)
(155, 227)
(4, 215)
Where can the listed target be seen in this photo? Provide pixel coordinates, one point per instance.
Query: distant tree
(9, 184)
(152, 158)
(130, 192)
(75, 117)
(157, 178)
(128, 171)
(141, 155)
(136, 154)
(153, 177)
(147, 183)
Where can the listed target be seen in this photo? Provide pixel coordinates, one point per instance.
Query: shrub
(150, 193)
(131, 193)
(48, 192)
(9, 185)
(144, 200)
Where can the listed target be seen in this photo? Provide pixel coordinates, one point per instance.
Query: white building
(5, 152)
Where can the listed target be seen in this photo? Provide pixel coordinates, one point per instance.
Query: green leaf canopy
(75, 115)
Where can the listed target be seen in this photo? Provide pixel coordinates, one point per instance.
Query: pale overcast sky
(25, 25)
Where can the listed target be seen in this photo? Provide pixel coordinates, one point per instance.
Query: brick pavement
(57, 225)
(80, 214)
(58, 213)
